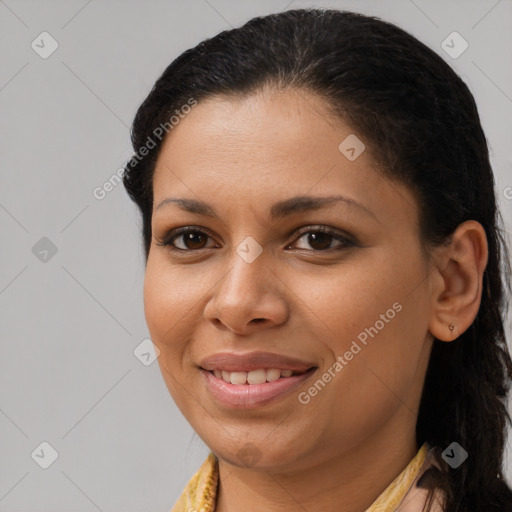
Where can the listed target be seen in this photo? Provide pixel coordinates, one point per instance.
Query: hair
(420, 122)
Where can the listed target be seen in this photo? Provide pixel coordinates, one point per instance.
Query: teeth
(273, 374)
(253, 377)
(257, 377)
(238, 377)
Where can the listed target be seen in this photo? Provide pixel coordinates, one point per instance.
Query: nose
(249, 297)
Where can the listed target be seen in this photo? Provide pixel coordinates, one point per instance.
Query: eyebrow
(278, 210)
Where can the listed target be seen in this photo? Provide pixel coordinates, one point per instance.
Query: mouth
(254, 379)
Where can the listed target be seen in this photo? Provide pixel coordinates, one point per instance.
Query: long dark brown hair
(420, 122)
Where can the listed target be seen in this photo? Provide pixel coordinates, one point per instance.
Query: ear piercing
(451, 327)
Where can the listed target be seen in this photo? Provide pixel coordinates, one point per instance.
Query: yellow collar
(200, 492)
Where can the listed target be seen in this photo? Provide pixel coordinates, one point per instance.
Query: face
(290, 331)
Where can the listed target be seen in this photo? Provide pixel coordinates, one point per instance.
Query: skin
(344, 447)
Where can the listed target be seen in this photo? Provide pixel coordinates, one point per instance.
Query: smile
(244, 395)
(253, 377)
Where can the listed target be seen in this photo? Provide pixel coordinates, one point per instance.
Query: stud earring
(451, 327)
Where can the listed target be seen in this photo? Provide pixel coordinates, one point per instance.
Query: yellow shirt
(402, 495)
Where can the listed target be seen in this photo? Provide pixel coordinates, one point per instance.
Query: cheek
(376, 317)
(166, 309)
(166, 314)
(159, 303)
(169, 299)
(349, 301)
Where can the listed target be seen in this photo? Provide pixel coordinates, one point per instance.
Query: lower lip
(252, 395)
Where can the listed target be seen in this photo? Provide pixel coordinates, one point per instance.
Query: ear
(456, 289)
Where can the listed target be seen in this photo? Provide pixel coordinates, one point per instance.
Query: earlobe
(456, 334)
(444, 332)
(457, 291)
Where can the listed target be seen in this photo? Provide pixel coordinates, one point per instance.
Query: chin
(265, 452)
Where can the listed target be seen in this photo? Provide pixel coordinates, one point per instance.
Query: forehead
(269, 145)
(271, 133)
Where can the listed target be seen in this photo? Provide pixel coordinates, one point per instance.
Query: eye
(321, 238)
(191, 239)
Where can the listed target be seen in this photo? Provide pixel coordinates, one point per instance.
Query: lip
(243, 396)
(235, 362)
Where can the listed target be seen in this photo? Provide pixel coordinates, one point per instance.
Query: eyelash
(168, 239)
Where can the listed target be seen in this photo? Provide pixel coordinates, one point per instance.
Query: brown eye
(188, 239)
(322, 238)
(319, 241)
(193, 240)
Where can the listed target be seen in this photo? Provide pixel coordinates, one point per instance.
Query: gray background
(69, 325)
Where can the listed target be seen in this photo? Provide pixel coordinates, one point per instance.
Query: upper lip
(233, 362)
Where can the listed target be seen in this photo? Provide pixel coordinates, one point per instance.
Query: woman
(367, 373)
